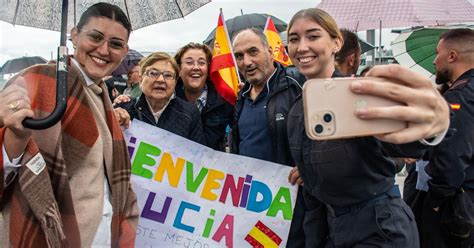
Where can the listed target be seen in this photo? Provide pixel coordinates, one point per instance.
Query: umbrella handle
(61, 95)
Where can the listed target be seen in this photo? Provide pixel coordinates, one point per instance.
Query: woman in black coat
(194, 86)
(158, 104)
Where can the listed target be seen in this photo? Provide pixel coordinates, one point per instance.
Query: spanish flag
(455, 106)
(279, 52)
(262, 236)
(223, 69)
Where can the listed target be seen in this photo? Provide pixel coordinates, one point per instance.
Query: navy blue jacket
(215, 116)
(180, 117)
(452, 161)
(285, 86)
(344, 172)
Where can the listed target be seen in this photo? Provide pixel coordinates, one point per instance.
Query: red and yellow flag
(223, 69)
(455, 106)
(279, 52)
(262, 236)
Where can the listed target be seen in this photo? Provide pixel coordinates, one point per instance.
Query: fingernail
(356, 86)
(361, 112)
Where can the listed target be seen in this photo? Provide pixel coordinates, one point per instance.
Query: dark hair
(105, 10)
(322, 18)
(158, 56)
(365, 70)
(351, 45)
(459, 37)
(193, 45)
(256, 31)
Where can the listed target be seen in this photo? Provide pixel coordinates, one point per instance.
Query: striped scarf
(41, 205)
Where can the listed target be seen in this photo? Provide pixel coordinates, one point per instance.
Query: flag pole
(266, 23)
(230, 43)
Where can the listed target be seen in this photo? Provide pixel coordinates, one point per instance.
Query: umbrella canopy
(18, 64)
(367, 14)
(131, 60)
(246, 21)
(46, 14)
(416, 49)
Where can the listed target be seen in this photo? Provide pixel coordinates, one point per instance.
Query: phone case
(329, 110)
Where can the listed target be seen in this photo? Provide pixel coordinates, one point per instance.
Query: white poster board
(192, 196)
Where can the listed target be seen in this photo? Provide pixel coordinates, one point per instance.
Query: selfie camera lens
(319, 128)
(327, 118)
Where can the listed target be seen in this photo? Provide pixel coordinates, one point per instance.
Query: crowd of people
(347, 194)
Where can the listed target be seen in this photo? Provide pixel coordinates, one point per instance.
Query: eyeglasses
(97, 39)
(155, 74)
(190, 62)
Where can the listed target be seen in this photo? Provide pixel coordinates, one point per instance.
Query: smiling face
(99, 61)
(194, 69)
(312, 49)
(255, 61)
(158, 89)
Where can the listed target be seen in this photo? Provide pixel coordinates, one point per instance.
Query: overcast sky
(19, 41)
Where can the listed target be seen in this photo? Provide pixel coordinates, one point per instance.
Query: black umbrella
(246, 21)
(18, 64)
(131, 60)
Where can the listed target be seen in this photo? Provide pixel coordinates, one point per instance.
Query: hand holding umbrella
(56, 18)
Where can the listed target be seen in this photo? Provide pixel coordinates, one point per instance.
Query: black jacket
(285, 86)
(452, 161)
(346, 171)
(215, 116)
(180, 117)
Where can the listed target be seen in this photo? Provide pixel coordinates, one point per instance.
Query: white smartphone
(329, 110)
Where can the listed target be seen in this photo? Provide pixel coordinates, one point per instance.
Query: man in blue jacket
(260, 117)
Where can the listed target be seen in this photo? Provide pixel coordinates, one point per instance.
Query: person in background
(116, 84)
(451, 163)
(259, 125)
(365, 70)
(133, 90)
(195, 86)
(348, 57)
(158, 105)
(69, 185)
(352, 180)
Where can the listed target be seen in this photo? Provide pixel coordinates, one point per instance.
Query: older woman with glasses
(158, 105)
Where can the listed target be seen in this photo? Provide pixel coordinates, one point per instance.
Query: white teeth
(195, 75)
(99, 61)
(305, 59)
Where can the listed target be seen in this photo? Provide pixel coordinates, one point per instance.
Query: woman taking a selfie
(350, 182)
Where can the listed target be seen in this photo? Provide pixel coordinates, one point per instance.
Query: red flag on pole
(279, 52)
(223, 68)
